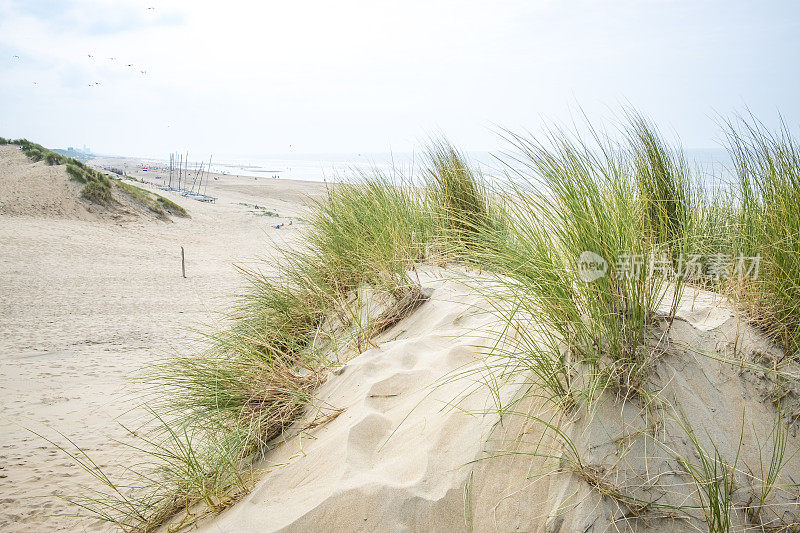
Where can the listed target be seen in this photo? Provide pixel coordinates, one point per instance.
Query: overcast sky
(257, 78)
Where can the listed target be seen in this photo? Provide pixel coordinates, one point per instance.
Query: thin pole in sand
(198, 172)
(209, 172)
(186, 169)
(202, 173)
(183, 263)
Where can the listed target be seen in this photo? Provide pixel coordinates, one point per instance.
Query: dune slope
(420, 443)
(37, 189)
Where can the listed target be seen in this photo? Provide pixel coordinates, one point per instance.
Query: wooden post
(183, 263)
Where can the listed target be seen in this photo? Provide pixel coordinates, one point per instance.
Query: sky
(145, 78)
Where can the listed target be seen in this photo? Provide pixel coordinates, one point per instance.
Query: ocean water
(713, 166)
(321, 167)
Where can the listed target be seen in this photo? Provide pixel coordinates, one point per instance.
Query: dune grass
(170, 206)
(587, 242)
(152, 201)
(458, 195)
(635, 205)
(714, 479)
(96, 186)
(771, 469)
(638, 198)
(767, 164)
(37, 152)
(595, 200)
(662, 183)
(96, 192)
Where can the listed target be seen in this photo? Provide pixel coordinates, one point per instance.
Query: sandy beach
(86, 303)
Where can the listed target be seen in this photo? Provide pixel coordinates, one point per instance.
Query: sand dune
(413, 450)
(36, 189)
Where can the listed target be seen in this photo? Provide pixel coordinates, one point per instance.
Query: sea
(713, 166)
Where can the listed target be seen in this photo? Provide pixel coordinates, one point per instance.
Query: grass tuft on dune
(154, 202)
(767, 164)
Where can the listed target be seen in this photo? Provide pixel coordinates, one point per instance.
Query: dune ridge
(38, 189)
(421, 444)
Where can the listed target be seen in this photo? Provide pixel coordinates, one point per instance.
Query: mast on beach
(179, 170)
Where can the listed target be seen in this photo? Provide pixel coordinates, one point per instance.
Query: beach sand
(86, 301)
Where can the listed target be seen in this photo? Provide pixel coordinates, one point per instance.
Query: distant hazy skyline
(249, 78)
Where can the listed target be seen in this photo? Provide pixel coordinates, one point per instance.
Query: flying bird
(14, 57)
(112, 58)
(90, 56)
(143, 71)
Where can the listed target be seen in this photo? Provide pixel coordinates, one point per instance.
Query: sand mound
(420, 444)
(37, 189)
